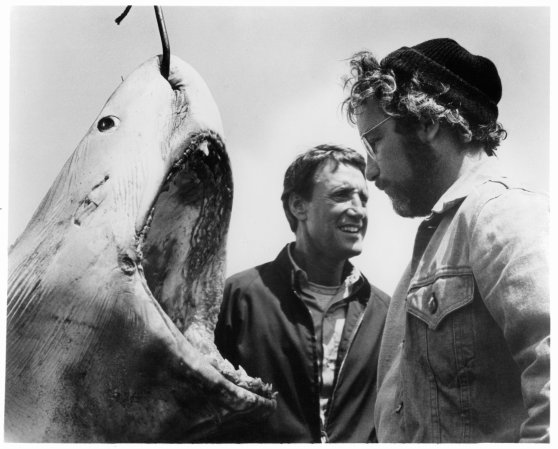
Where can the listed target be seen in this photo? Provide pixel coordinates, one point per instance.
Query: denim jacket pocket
(434, 301)
(440, 358)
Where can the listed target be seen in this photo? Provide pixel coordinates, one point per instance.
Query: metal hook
(120, 18)
(165, 63)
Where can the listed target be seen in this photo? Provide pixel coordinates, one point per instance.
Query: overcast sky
(275, 73)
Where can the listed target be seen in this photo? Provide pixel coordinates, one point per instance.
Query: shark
(114, 286)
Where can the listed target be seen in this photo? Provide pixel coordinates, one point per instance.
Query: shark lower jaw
(182, 251)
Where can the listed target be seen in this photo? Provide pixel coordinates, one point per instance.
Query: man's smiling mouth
(351, 229)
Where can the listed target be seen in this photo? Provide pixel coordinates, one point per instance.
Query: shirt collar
(485, 169)
(351, 274)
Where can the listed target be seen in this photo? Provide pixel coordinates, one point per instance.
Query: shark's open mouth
(182, 249)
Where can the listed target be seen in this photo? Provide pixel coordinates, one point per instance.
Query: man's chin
(404, 207)
(353, 251)
(345, 250)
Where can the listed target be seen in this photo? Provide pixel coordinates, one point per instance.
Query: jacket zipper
(357, 327)
(323, 433)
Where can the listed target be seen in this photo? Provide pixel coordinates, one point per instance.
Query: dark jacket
(265, 327)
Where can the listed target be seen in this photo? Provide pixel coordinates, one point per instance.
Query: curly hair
(300, 175)
(411, 97)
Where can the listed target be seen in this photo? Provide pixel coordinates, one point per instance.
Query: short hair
(415, 96)
(300, 175)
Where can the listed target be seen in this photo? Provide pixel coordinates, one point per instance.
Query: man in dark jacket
(309, 322)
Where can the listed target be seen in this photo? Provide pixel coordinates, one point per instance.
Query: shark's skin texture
(115, 284)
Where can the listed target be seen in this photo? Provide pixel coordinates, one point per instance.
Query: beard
(417, 196)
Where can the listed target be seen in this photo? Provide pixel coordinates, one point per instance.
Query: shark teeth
(253, 384)
(140, 237)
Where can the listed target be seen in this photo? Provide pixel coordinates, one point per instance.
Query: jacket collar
(352, 277)
(350, 274)
(487, 168)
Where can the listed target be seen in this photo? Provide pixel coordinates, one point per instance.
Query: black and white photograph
(277, 222)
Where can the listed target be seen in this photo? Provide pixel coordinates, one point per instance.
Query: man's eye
(340, 197)
(344, 197)
(107, 123)
(373, 146)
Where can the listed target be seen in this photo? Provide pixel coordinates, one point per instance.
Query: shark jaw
(182, 252)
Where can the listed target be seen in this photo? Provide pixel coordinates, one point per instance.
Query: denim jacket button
(433, 304)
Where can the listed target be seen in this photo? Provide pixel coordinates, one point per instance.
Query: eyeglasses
(369, 147)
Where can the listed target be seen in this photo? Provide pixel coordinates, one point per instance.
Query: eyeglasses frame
(365, 142)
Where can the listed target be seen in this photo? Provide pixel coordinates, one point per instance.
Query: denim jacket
(465, 355)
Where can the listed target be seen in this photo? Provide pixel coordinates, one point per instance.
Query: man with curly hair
(465, 354)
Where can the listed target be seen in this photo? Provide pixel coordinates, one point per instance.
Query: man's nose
(372, 169)
(358, 208)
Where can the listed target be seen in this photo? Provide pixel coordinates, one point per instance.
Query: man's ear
(298, 206)
(428, 130)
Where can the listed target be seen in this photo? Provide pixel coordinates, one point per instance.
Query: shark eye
(107, 123)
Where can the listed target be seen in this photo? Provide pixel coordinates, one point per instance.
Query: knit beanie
(474, 84)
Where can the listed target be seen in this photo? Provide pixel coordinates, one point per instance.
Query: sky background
(275, 73)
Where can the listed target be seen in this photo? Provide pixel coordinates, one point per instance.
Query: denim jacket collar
(485, 169)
